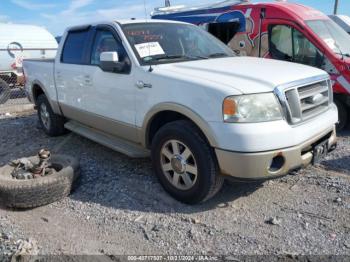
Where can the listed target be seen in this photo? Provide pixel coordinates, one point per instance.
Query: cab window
(74, 46)
(106, 42)
(289, 44)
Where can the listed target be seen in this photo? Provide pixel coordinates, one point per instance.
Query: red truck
(278, 30)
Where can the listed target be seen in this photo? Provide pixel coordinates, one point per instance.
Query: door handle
(87, 79)
(141, 85)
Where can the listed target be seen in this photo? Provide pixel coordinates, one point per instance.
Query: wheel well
(165, 117)
(37, 91)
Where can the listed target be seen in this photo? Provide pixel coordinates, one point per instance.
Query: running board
(125, 147)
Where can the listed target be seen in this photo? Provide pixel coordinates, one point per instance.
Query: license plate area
(320, 150)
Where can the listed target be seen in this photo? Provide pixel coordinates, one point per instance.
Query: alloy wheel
(45, 116)
(179, 165)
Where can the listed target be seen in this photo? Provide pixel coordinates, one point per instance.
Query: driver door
(287, 43)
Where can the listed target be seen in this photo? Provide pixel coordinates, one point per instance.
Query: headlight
(251, 108)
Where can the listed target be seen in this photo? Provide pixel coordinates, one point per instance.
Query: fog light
(277, 163)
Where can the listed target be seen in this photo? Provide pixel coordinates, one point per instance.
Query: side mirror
(109, 62)
(109, 57)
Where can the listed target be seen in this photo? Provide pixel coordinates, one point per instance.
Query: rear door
(69, 75)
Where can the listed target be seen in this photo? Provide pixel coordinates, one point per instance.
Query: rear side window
(73, 51)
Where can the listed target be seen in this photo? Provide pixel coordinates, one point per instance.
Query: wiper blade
(197, 57)
(164, 57)
(169, 57)
(218, 55)
(181, 56)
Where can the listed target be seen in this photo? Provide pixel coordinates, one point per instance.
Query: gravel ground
(119, 208)
(12, 243)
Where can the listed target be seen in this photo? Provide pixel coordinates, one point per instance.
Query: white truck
(18, 42)
(173, 91)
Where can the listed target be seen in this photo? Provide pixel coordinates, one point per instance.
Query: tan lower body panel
(113, 142)
(110, 126)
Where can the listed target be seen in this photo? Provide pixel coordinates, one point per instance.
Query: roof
(302, 11)
(297, 11)
(136, 21)
(202, 7)
(122, 22)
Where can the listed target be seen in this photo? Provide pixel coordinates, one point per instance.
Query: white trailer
(18, 42)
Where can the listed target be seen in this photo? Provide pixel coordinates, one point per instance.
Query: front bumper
(271, 164)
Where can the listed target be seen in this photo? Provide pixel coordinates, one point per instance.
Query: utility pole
(336, 7)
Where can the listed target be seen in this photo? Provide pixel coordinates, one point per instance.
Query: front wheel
(184, 163)
(343, 114)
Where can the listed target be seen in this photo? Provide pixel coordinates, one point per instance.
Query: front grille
(306, 102)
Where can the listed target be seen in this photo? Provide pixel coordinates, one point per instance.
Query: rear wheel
(5, 92)
(52, 124)
(184, 163)
(343, 114)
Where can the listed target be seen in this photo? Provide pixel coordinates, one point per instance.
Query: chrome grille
(308, 101)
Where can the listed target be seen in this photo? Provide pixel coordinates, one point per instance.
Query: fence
(12, 94)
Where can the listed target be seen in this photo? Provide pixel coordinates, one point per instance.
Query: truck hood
(245, 74)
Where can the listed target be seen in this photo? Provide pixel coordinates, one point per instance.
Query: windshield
(159, 43)
(333, 35)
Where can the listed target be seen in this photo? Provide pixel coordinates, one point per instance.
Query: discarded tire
(41, 191)
(5, 92)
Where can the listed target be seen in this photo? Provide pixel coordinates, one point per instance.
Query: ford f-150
(172, 91)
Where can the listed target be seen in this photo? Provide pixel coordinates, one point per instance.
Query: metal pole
(336, 7)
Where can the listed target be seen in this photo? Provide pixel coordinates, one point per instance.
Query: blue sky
(57, 15)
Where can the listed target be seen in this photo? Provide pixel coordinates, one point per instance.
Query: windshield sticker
(149, 49)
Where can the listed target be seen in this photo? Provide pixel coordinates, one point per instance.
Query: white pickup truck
(173, 91)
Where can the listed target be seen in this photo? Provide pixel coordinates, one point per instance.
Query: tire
(343, 114)
(202, 158)
(52, 124)
(5, 92)
(40, 191)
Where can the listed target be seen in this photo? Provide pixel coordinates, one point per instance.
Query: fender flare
(54, 105)
(183, 110)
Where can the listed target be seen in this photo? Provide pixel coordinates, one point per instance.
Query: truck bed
(40, 72)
